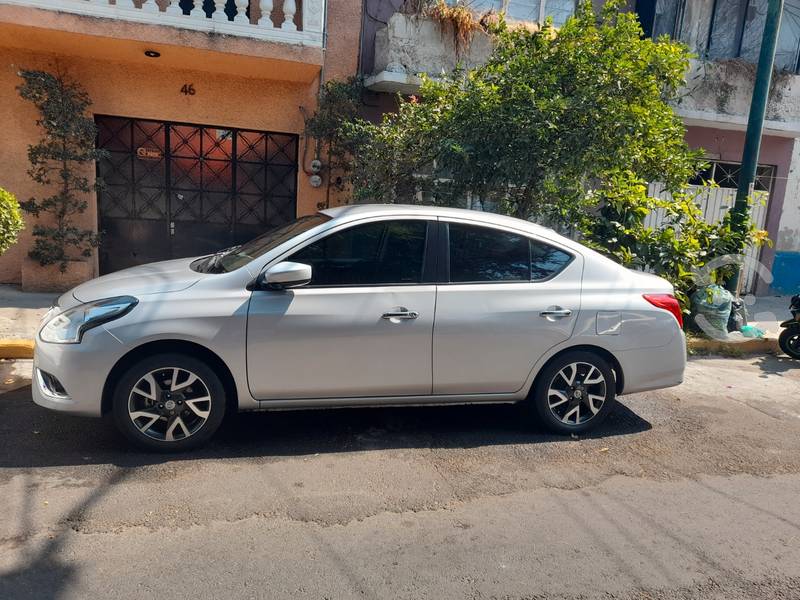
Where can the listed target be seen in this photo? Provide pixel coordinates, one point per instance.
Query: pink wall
(727, 145)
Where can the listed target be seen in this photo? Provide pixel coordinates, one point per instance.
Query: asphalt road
(686, 493)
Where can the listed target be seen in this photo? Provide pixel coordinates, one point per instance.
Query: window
(384, 252)
(238, 256)
(483, 254)
(546, 260)
(737, 26)
(480, 254)
(526, 10)
(660, 17)
(726, 175)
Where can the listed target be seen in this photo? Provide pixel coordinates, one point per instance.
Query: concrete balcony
(287, 21)
(270, 39)
(717, 94)
(410, 45)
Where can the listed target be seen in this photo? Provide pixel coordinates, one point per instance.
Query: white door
(509, 300)
(361, 328)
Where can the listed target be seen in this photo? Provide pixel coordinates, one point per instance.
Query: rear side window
(481, 254)
(379, 253)
(547, 260)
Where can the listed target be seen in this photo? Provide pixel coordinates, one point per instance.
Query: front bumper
(82, 370)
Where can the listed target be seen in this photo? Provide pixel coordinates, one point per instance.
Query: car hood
(153, 278)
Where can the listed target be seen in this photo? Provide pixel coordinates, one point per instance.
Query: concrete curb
(16, 348)
(767, 345)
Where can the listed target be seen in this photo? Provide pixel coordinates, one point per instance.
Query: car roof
(361, 211)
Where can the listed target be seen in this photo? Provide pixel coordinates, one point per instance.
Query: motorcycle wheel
(789, 342)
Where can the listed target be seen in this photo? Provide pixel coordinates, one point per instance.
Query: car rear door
(361, 328)
(506, 298)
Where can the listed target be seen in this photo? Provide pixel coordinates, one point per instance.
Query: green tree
(566, 126)
(11, 222)
(58, 163)
(547, 118)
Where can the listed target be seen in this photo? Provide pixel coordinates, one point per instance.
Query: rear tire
(789, 341)
(574, 393)
(169, 403)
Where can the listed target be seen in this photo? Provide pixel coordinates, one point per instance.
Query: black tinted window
(384, 252)
(546, 260)
(484, 254)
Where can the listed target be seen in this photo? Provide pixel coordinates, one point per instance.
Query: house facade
(725, 37)
(199, 105)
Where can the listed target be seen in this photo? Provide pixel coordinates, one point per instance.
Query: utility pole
(755, 122)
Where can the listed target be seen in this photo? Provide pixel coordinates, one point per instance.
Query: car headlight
(69, 326)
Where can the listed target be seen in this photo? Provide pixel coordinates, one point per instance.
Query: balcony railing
(274, 20)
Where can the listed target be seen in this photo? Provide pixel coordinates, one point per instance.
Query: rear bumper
(654, 368)
(81, 369)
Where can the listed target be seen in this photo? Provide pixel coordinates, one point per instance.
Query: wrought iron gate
(172, 190)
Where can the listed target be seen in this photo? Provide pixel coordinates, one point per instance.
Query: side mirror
(283, 276)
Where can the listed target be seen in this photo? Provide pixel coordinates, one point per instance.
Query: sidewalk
(768, 312)
(20, 312)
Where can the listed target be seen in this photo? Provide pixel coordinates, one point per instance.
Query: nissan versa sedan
(368, 305)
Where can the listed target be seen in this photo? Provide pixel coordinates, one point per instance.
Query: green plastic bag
(711, 306)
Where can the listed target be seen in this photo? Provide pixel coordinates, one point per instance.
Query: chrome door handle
(400, 314)
(556, 312)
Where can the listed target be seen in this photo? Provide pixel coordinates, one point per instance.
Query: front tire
(169, 403)
(789, 341)
(574, 393)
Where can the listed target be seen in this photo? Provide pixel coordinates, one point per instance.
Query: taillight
(667, 302)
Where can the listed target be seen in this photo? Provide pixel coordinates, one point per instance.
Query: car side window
(480, 254)
(378, 253)
(547, 260)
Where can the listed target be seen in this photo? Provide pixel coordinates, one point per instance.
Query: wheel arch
(192, 349)
(619, 376)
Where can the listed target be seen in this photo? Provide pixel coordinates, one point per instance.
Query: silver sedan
(361, 306)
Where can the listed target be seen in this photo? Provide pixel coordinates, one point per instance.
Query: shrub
(11, 222)
(55, 161)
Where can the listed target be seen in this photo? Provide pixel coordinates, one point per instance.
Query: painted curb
(767, 345)
(14, 348)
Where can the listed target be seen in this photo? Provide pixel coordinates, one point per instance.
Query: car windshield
(233, 258)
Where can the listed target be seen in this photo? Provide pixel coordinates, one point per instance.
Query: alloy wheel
(577, 393)
(169, 404)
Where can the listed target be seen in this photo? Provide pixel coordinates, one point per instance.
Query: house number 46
(188, 89)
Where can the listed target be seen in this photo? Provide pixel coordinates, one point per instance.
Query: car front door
(361, 328)
(506, 299)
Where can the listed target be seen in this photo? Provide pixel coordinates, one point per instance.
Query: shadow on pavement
(776, 365)
(31, 436)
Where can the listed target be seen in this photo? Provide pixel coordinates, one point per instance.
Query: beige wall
(144, 88)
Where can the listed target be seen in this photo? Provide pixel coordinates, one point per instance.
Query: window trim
(430, 258)
(444, 272)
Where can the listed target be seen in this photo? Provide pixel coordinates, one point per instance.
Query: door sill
(388, 401)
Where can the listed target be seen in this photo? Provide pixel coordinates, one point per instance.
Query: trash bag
(711, 306)
(751, 331)
(738, 318)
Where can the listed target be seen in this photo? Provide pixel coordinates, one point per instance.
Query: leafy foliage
(339, 104)
(613, 223)
(11, 222)
(548, 116)
(57, 163)
(456, 17)
(566, 126)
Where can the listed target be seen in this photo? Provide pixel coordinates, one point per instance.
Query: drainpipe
(755, 122)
